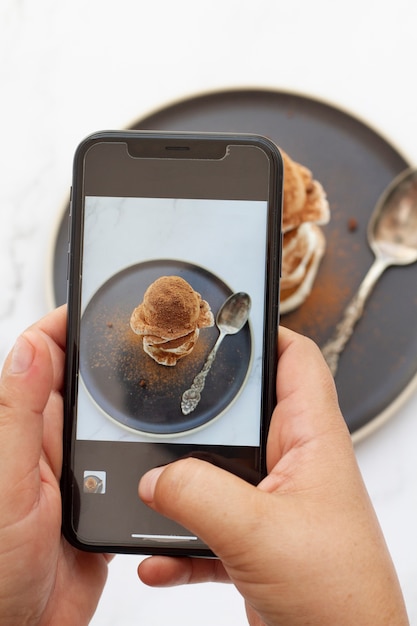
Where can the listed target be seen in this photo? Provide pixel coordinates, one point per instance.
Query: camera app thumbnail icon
(94, 481)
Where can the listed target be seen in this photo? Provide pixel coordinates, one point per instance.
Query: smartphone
(164, 229)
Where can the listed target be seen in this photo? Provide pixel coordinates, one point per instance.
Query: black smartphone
(166, 228)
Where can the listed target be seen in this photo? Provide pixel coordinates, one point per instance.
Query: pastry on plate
(170, 318)
(305, 208)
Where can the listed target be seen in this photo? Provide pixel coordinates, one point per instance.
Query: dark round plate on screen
(127, 384)
(355, 164)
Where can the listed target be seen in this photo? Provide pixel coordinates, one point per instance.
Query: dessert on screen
(171, 315)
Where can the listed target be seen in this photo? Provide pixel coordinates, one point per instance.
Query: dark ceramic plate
(354, 164)
(127, 384)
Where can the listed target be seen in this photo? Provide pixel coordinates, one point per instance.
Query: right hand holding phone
(305, 545)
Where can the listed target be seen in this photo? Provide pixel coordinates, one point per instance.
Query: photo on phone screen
(160, 245)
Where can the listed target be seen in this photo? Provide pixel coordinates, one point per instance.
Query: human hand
(305, 545)
(43, 580)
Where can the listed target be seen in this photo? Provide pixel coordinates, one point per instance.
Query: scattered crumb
(352, 224)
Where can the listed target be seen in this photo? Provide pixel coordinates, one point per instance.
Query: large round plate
(355, 164)
(127, 384)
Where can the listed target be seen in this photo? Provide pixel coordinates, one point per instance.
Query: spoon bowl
(392, 230)
(233, 313)
(392, 236)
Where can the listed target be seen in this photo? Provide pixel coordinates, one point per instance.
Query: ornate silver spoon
(392, 235)
(230, 319)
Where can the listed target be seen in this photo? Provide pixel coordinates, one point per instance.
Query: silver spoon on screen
(231, 318)
(392, 236)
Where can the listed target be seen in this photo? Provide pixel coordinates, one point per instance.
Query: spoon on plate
(392, 236)
(230, 319)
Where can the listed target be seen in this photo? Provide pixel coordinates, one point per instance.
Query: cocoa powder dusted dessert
(169, 319)
(305, 206)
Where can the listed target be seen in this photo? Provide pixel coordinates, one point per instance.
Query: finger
(53, 326)
(209, 501)
(301, 367)
(307, 399)
(253, 617)
(52, 432)
(165, 571)
(53, 329)
(307, 431)
(24, 391)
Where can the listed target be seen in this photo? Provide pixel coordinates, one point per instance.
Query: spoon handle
(344, 329)
(192, 396)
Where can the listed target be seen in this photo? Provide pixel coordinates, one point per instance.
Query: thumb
(210, 502)
(25, 385)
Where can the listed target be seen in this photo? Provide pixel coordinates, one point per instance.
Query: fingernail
(22, 356)
(148, 483)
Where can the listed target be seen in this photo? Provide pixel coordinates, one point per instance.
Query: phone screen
(160, 240)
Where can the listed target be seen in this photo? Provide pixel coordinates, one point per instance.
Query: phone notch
(181, 147)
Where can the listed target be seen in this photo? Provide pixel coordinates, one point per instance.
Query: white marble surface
(69, 68)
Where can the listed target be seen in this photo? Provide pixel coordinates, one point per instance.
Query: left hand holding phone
(43, 580)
